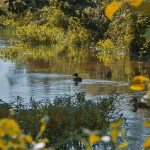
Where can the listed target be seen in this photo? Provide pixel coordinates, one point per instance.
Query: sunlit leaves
(135, 3)
(139, 83)
(112, 8)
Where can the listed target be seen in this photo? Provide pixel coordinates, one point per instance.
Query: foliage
(81, 24)
(11, 136)
(139, 5)
(35, 33)
(63, 129)
(77, 35)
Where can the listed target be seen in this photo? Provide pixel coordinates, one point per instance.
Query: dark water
(47, 76)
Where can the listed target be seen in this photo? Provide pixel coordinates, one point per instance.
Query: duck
(76, 79)
(140, 104)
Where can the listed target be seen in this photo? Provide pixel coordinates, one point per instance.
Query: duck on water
(139, 104)
(76, 79)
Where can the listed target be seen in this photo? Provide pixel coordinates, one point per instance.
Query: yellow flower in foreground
(135, 3)
(123, 145)
(112, 8)
(9, 127)
(146, 144)
(138, 83)
(94, 139)
(147, 124)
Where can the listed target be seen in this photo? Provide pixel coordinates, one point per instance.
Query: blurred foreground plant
(12, 137)
(115, 135)
(137, 5)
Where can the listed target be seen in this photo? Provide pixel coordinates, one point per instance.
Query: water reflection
(47, 72)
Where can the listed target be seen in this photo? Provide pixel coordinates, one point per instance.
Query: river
(51, 76)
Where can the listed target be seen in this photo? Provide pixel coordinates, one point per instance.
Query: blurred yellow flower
(141, 79)
(134, 3)
(138, 83)
(112, 8)
(147, 124)
(94, 139)
(9, 127)
(137, 87)
(123, 145)
(146, 144)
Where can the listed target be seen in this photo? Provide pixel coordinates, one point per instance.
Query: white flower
(105, 139)
(38, 146)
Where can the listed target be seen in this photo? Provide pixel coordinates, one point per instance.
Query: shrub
(35, 33)
(77, 35)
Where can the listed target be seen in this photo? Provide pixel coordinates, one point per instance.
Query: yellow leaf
(123, 145)
(94, 139)
(42, 128)
(134, 3)
(147, 124)
(116, 124)
(114, 135)
(112, 8)
(147, 143)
